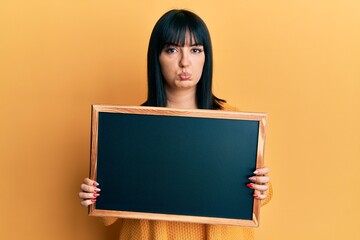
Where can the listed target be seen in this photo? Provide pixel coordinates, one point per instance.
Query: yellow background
(298, 61)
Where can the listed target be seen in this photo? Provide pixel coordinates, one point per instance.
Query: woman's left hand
(258, 183)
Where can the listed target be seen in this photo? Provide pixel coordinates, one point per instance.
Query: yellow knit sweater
(135, 229)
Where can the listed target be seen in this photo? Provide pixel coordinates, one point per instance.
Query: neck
(184, 99)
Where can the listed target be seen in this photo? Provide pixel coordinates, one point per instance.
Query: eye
(197, 49)
(170, 50)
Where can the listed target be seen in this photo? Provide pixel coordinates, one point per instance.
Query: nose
(184, 59)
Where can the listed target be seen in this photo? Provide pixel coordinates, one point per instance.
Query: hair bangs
(178, 31)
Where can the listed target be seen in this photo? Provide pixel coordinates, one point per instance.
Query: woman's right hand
(89, 193)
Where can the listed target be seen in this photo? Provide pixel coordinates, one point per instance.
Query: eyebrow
(177, 45)
(196, 44)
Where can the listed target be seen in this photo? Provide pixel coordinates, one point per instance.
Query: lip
(185, 76)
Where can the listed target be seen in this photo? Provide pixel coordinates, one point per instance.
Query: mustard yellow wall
(297, 60)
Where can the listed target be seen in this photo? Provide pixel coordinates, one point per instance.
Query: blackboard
(176, 165)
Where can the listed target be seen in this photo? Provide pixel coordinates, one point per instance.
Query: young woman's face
(182, 67)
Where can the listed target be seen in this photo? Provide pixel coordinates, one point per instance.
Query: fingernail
(95, 184)
(96, 194)
(97, 190)
(256, 172)
(253, 179)
(255, 195)
(93, 200)
(250, 185)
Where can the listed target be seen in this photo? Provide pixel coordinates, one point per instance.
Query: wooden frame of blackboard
(202, 116)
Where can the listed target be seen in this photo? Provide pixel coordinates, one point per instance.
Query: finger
(85, 195)
(258, 187)
(90, 182)
(259, 180)
(259, 196)
(90, 189)
(88, 202)
(262, 171)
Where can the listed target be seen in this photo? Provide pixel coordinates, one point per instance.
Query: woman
(180, 76)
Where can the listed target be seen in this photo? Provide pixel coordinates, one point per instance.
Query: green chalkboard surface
(178, 165)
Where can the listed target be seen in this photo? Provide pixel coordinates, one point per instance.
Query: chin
(186, 83)
(185, 86)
